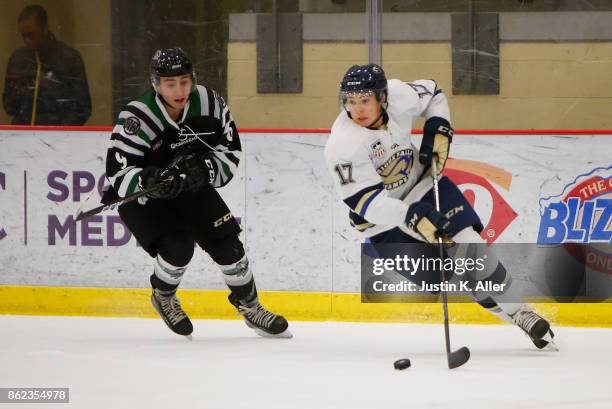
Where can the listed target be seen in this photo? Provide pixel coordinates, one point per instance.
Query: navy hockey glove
(171, 179)
(429, 223)
(437, 137)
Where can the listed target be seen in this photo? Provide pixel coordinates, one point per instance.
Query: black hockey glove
(200, 169)
(437, 137)
(429, 223)
(171, 181)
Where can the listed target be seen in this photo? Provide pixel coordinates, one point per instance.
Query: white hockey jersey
(377, 172)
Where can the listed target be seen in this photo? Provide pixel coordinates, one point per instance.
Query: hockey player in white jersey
(385, 179)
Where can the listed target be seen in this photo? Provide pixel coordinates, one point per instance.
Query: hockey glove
(437, 137)
(429, 223)
(200, 169)
(171, 179)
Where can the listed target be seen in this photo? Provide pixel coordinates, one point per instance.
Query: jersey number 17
(345, 173)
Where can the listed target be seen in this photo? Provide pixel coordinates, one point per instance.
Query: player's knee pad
(226, 251)
(229, 255)
(176, 248)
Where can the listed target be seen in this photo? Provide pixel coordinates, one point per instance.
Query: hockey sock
(491, 306)
(166, 277)
(239, 279)
(471, 245)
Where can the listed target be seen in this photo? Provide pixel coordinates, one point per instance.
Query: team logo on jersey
(131, 126)
(394, 172)
(187, 135)
(378, 150)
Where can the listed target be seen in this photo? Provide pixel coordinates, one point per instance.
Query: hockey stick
(80, 215)
(462, 355)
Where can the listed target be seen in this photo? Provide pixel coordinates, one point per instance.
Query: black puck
(401, 364)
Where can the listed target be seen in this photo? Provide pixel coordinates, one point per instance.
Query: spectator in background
(45, 81)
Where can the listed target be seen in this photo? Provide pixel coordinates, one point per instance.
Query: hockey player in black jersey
(181, 138)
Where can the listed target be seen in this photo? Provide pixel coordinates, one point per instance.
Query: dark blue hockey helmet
(170, 62)
(364, 79)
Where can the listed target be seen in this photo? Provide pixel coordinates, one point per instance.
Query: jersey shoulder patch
(131, 125)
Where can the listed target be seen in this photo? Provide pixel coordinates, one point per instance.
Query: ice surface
(138, 363)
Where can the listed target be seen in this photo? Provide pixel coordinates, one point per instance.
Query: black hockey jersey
(146, 135)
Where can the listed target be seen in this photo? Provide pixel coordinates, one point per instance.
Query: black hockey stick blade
(458, 357)
(80, 215)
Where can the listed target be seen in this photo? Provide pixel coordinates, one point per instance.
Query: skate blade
(285, 334)
(552, 346)
(189, 337)
(551, 343)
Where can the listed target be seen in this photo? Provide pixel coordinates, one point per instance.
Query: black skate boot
(262, 321)
(169, 308)
(536, 327)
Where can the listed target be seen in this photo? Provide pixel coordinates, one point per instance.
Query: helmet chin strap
(161, 97)
(163, 100)
(383, 115)
(371, 126)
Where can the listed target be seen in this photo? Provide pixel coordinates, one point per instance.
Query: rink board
(300, 245)
(295, 306)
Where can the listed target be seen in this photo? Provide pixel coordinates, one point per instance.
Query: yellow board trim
(297, 306)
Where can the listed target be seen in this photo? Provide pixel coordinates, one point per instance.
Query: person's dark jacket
(63, 94)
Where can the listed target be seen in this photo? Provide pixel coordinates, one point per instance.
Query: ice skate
(262, 321)
(535, 326)
(169, 308)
